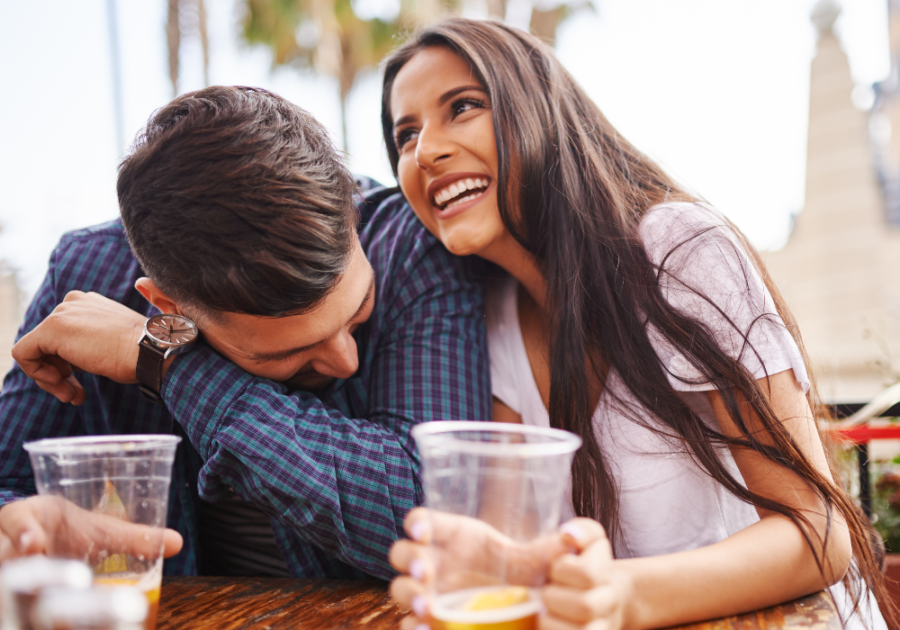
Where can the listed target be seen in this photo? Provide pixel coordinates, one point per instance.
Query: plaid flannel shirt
(337, 474)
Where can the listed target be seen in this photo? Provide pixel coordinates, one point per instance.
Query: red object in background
(864, 433)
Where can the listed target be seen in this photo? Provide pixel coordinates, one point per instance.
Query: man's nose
(432, 146)
(339, 358)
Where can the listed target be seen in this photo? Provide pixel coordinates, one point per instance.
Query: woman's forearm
(765, 564)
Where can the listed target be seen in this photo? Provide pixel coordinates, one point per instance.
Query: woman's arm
(765, 564)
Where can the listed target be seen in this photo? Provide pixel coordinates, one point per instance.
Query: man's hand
(46, 524)
(86, 332)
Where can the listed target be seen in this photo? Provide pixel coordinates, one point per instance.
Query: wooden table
(220, 603)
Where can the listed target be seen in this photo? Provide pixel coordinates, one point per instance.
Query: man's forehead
(276, 334)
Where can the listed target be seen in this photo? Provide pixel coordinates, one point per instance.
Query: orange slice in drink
(500, 598)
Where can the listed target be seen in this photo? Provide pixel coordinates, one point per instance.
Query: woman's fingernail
(417, 531)
(417, 569)
(25, 541)
(419, 606)
(572, 530)
(541, 609)
(422, 626)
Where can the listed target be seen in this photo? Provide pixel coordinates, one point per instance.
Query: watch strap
(149, 371)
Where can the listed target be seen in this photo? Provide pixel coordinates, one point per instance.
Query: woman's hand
(586, 589)
(448, 552)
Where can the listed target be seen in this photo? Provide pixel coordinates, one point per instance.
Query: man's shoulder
(107, 232)
(95, 258)
(86, 245)
(389, 229)
(407, 259)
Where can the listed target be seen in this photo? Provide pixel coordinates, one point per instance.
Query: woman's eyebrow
(446, 96)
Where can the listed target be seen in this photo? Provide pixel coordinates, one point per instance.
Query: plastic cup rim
(101, 444)
(564, 442)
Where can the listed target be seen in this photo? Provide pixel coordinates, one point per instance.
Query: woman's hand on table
(584, 588)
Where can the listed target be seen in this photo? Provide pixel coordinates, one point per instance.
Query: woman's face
(444, 136)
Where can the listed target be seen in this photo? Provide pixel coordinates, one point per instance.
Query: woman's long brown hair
(573, 191)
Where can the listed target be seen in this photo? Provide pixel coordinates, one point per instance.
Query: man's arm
(340, 481)
(342, 475)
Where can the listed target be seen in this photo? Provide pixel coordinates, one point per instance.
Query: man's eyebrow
(283, 354)
(362, 306)
(446, 96)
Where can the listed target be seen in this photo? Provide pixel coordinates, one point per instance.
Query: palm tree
(545, 16)
(325, 35)
(194, 14)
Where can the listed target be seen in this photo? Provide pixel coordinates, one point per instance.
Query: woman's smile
(455, 193)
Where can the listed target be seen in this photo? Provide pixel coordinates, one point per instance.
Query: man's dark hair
(236, 200)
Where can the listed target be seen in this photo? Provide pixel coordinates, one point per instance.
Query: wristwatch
(164, 335)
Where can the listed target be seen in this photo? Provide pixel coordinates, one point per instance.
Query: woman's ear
(156, 297)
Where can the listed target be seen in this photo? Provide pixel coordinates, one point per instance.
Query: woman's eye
(465, 104)
(404, 136)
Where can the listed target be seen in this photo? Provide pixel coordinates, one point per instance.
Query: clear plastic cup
(494, 492)
(123, 608)
(105, 501)
(23, 579)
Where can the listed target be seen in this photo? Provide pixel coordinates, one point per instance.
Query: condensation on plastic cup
(95, 482)
(498, 482)
(23, 579)
(97, 608)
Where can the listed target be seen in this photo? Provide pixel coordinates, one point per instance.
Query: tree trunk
(347, 76)
(173, 39)
(496, 9)
(204, 39)
(544, 23)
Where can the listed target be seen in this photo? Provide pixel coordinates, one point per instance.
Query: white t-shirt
(666, 502)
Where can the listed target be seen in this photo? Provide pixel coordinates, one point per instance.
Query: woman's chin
(462, 248)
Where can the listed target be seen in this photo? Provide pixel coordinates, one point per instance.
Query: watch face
(171, 330)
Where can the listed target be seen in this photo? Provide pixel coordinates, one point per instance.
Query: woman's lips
(448, 213)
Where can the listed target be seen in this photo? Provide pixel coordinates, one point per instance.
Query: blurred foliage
(886, 507)
(328, 36)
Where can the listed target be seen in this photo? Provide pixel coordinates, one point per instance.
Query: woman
(637, 317)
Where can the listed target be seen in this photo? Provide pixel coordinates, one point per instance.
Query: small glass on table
(494, 493)
(105, 501)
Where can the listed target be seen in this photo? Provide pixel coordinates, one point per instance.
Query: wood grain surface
(227, 603)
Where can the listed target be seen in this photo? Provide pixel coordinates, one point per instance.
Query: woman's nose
(432, 146)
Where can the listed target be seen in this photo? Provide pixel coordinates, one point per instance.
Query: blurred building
(840, 269)
(10, 316)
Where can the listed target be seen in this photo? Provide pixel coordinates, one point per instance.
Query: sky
(717, 91)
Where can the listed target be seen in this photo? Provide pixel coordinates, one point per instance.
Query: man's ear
(156, 297)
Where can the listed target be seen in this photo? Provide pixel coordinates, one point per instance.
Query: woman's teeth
(454, 190)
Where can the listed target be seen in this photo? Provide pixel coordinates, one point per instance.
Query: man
(322, 342)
